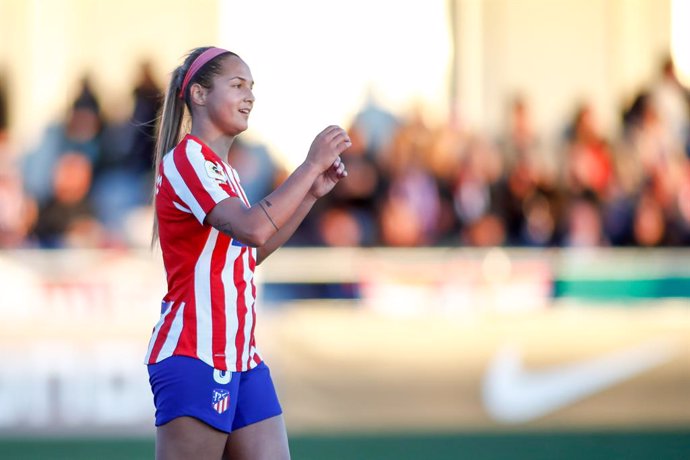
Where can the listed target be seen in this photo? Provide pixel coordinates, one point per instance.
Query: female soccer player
(213, 394)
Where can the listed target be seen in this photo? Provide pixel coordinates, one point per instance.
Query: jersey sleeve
(201, 183)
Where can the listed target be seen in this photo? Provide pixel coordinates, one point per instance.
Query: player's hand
(325, 182)
(327, 146)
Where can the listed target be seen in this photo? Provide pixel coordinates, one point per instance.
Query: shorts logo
(221, 400)
(222, 377)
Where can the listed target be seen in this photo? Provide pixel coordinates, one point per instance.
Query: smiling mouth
(245, 111)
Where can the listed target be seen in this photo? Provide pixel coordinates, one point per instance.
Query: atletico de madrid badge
(221, 400)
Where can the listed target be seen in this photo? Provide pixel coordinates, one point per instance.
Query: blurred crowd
(88, 181)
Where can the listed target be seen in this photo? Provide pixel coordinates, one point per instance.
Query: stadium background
(383, 351)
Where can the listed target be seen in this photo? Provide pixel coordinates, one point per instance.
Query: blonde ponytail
(168, 134)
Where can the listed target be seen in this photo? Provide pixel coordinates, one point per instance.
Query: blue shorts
(227, 401)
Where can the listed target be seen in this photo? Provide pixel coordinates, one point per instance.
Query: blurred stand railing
(347, 330)
(462, 279)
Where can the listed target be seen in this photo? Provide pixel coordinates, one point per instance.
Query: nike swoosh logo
(512, 394)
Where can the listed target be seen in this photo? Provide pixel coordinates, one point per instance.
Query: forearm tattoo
(227, 229)
(263, 208)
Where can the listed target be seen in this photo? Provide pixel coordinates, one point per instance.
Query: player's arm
(254, 226)
(323, 184)
(286, 231)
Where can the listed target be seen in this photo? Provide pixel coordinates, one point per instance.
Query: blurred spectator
(649, 224)
(640, 145)
(651, 161)
(123, 178)
(17, 210)
(487, 231)
(84, 124)
(79, 132)
(339, 227)
(479, 195)
(259, 172)
(399, 226)
(411, 192)
(588, 164)
(584, 226)
(671, 101)
(148, 99)
(67, 218)
(539, 228)
(445, 154)
(521, 144)
(530, 179)
(679, 225)
(376, 125)
(636, 156)
(354, 201)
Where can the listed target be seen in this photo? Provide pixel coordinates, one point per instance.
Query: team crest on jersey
(215, 171)
(221, 400)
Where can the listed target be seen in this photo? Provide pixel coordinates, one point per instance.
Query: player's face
(231, 98)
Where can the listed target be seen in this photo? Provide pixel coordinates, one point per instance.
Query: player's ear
(197, 94)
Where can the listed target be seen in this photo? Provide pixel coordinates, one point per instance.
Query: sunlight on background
(314, 63)
(680, 38)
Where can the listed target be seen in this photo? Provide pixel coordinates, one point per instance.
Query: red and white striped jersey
(208, 312)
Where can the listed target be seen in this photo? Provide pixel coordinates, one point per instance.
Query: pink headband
(198, 63)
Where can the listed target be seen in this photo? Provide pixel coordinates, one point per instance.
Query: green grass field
(643, 445)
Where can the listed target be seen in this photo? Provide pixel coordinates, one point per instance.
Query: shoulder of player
(198, 153)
